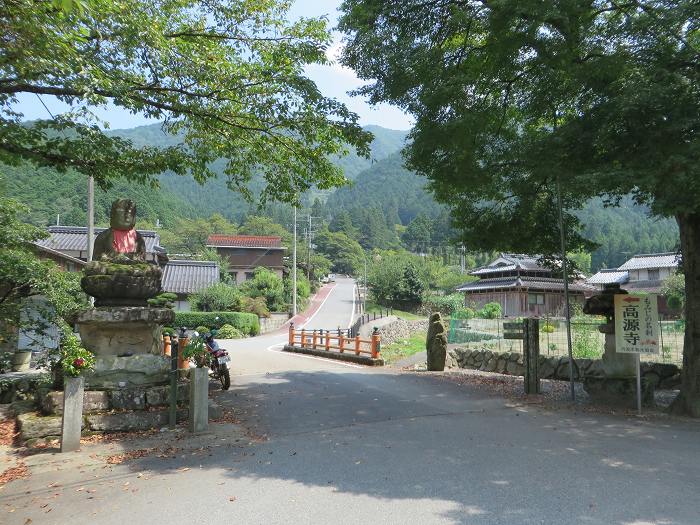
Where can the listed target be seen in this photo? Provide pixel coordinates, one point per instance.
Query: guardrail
(354, 329)
(335, 340)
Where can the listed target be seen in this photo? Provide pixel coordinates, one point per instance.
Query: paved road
(356, 445)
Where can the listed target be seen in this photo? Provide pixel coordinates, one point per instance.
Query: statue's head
(123, 215)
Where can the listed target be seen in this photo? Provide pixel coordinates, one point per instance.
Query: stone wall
(663, 376)
(272, 323)
(401, 329)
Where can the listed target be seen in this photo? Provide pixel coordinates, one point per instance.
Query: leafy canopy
(228, 77)
(511, 96)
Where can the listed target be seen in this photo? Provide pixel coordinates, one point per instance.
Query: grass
(408, 316)
(400, 349)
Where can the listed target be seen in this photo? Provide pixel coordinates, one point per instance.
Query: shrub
(245, 322)
(445, 304)
(265, 283)
(490, 311)
(229, 332)
(167, 330)
(255, 305)
(547, 328)
(219, 297)
(201, 329)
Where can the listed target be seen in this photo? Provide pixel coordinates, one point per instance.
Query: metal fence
(586, 339)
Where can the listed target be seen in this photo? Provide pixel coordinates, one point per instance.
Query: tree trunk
(688, 401)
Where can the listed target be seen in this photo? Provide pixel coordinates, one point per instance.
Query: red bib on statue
(124, 241)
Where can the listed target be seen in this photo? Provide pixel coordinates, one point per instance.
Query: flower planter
(21, 360)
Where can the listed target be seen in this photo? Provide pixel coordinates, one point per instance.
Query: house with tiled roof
(184, 277)
(522, 286)
(642, 273)
(246, 253)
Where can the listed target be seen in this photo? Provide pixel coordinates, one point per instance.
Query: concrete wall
(272, 323)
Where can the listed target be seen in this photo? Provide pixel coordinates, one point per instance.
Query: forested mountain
(387, 206)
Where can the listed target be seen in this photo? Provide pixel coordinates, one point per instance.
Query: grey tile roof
(523, 283)
(608, 276)
(508, 262)
(651, 260)
(185, 277)
(74, 238)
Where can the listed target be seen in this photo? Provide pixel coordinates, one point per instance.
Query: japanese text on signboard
(636, 324)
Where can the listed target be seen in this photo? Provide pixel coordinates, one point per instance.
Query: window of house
(535, 298)
(653, 275)
(249, 275)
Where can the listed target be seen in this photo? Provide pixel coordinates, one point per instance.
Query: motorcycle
(219, 361)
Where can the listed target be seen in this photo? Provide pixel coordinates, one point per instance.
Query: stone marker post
(531, 351)
(73, 390)
(199, 400)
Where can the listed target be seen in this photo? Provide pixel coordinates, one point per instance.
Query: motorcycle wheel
(224, 377)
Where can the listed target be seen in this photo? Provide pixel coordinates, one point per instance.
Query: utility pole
(294, 266)
(364, 294)
(91, 223)
(462, 259)
(562, 239)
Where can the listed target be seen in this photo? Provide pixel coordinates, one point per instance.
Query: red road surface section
(314, 305)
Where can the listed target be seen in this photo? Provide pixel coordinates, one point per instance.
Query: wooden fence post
(291, 334)
(303, 338)
(341, 342)
(531, 355)
(328, 340)
(357, 345)
(313, 344)
(376, 342)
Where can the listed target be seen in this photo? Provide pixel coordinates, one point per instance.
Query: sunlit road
(339, 444)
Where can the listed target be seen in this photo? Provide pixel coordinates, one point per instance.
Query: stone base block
(113, 331)
(620, 392)
(135, 398)
(113, 373)
(33, 426)
(52, 402)
(131, 421)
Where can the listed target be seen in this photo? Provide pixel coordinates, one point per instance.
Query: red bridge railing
(329, 340)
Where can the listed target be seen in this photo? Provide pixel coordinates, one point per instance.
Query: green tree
(268, 285)
(418, 233)
(345, 253)
(582, 260)
(260, 225)
(512, 99)
(228, 77)
(342, 222)
(674, 290)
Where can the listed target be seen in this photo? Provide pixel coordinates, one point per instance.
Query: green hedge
(249, 324)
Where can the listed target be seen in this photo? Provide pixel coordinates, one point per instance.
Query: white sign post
(637, 329)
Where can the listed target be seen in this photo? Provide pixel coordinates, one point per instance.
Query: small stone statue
(121, 240)
(119, 274)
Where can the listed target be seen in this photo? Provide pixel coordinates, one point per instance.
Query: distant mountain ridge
(380, 184)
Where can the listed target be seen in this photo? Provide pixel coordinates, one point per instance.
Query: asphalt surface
(333, 443)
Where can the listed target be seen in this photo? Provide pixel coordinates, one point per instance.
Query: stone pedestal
(199, 399)
(617, 385)
(614, 364)
(72, 422)
(126, 343)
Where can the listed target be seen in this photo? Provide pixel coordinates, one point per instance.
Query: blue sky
(334, 81)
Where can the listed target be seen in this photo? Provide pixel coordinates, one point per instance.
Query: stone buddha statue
(119, 275)
(120, 240)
